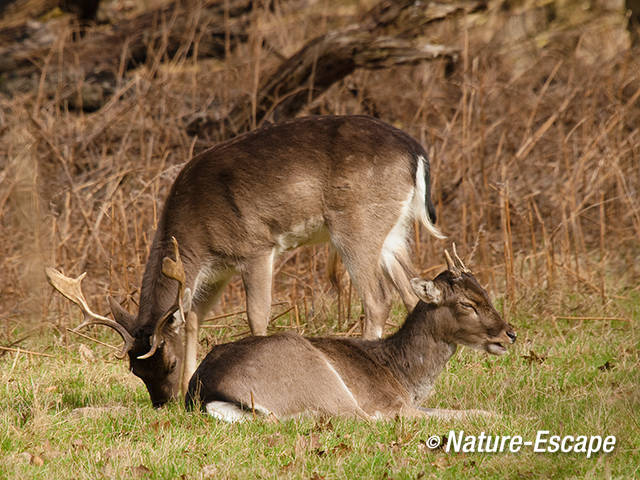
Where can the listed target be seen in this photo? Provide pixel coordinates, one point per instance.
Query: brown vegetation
(534, 136)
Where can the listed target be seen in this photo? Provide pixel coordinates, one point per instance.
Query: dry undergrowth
(534, 140)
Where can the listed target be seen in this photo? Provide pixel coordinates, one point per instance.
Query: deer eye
(469, 306)
(172, 365)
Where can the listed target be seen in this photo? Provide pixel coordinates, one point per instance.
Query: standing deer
(288, 375)
(353, 180)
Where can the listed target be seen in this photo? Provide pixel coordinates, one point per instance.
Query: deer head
(155, 352)
(469, 316)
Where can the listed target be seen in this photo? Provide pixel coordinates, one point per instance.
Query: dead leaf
(287, 467)
(157, 425)
(36, 460)
(48, 452)
(533, 357)
(342, 448)
(110, 453)
(441, 462)
(86, 355)
(141, 470)
(606, 366)
(209, 471)
(323, 424)
(393, 446)
(305, 443)
(78, 444)
(274, 439)
(316, 476)
(24, 457)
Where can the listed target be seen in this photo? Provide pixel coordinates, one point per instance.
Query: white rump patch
(397, 238)
(230, 412)
(419, 205)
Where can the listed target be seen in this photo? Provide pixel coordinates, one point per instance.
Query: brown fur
(235, 206)
(289, 375)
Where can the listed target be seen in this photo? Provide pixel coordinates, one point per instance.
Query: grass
(534, 143)
(568, 377)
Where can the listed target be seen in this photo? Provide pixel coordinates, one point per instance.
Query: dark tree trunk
(327, 59)
(98, 58)
(633, 7)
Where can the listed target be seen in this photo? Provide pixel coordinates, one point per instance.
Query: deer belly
(307, 232)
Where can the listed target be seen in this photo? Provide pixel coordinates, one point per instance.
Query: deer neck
(157, 292)
(417, 353)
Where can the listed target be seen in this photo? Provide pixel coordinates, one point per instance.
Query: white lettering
(515, 444)
(609, 443)
(544, 443)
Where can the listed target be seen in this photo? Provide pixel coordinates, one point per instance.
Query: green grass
(581, 379)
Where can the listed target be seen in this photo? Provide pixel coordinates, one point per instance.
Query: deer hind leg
(397, 267)
(257, 276)
(372, 285)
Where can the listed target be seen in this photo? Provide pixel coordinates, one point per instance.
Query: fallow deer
(353, 180)
(288, 375)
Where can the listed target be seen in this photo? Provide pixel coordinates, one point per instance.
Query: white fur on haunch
(419, 204)
(232, 413)
(397, 238)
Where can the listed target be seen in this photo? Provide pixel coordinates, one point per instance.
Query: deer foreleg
(257, 276)
(190, 351)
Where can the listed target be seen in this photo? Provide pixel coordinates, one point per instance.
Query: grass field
(83, 415)
(533, 136)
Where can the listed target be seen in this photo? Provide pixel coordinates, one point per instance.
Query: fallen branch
(329, 58)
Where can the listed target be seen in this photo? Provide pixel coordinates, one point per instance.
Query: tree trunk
(331, 57)
(99, 58)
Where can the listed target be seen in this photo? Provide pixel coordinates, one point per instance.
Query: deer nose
(512, 335)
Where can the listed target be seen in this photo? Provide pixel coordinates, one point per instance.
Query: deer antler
(461, 265)
(71, 288)
(455, 266)
(175, 270)
(451, 266)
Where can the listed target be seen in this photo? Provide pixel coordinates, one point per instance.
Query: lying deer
(288, 375)
(353, 180)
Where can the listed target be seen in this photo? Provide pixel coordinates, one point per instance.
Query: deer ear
(120, 315)
(427, 291)
(177, 321)
(187, 297)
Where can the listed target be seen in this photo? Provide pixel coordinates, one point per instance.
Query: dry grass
(534, 141)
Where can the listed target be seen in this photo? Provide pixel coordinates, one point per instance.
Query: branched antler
(455, 265)
(461, 265)
(71, 288)
(175, 270)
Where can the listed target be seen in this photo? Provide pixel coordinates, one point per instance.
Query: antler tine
(451, 266)
(173, 269)
(71, 289)
(459, 261)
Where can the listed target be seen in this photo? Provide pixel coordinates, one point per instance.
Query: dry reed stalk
(570, 317)
(28, 352)
(603, 220)
(505, 215)
(92, 339)
(561, 162)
